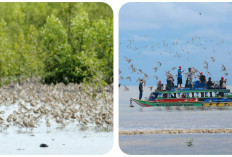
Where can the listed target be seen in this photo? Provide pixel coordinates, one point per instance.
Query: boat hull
(166, 104)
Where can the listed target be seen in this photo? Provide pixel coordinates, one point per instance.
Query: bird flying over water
(129, 78)
(145, 76)
(213, 59)
(206, 65)
(223, 68)
(127, 59)
(126, 88)
(140, 71)
(173, 68)
(155, 68)
(156, 77)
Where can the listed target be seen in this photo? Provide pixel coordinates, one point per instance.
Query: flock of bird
(31, 105)
(177, 50)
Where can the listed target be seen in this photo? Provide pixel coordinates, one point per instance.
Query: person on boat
(170, 83)
(160, 86)
(141, 89)
(153, 96)
(210, 85)
(202, 79)
(203, 82)
(179, 78)
(187, 83)
(223, 83)
(190, 76)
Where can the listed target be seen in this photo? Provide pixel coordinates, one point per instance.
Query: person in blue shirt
(179, 78)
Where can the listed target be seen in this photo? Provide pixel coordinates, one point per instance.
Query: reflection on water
(202, 144)
(186, 117)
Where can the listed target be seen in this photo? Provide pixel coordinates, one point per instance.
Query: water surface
(151, 118)
(166, 144)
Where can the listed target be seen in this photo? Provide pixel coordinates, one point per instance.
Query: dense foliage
(57, 42)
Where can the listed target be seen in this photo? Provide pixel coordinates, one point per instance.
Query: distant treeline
(57, 42)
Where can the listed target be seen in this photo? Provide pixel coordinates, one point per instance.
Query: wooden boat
(182, 97)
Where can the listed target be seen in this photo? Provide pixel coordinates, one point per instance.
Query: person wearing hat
(222, 85)
(223, 82)
(141, 89)
(179, 78)
(159, 86)
(202, 78)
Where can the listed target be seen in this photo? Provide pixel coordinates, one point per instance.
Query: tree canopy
(57, 42)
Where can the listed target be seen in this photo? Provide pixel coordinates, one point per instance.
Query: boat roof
(188, 90)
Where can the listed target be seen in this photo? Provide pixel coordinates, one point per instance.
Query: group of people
(202, 82)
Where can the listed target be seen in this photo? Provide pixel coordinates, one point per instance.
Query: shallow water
(165, 144)
(158, 118)
(62, 142)
(151, 118)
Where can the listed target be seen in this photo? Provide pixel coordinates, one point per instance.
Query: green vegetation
(57, 42)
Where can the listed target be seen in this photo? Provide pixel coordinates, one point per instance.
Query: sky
(174, 34)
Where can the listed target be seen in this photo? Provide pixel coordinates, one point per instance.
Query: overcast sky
(175, 34)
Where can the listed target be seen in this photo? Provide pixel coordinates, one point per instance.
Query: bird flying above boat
(223, 68)
(156, 77)
(155, 68)
(129, 78)
(173, 68)
(213, 59)
(127, 59)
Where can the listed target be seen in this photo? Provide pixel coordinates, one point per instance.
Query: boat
(187, 97)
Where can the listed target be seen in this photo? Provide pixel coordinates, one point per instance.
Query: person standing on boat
(223, 83)
(210, 86)
(141, 89)
(170, 83)
(210, 83)
(203, 82)
(202, 79)
(179, 79)
(190, 77)
(160, 86)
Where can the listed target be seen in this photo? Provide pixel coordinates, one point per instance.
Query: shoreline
(174, 131)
